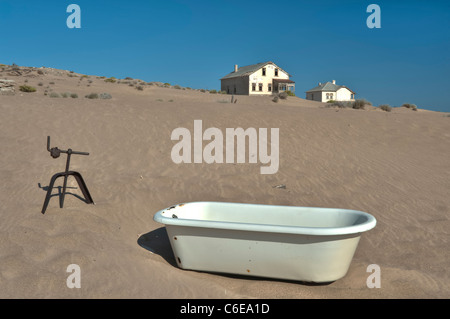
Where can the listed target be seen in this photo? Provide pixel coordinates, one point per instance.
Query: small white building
(328, 91)
(257, 79)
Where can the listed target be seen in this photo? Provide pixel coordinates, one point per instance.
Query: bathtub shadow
(158, 242)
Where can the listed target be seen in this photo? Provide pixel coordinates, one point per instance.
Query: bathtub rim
(368, 224)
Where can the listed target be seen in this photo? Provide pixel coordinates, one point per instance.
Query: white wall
(344, 94)
(258, 78)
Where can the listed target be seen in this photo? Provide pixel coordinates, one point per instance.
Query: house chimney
(236, 68)
(334, 81)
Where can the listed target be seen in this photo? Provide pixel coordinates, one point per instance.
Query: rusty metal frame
(55, 153)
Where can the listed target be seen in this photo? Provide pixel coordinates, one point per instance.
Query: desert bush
(177, 87)
(223, 92)
(342, 104)
(331, 101)
(283, 95)
(111, 80)
(51, 82)
(290, 93)
(40, 84)
(360, 104)
(65, 94)
(166, 85)
(74, 95)
(54, 94)
(202, 90)
(385, 107)
(213, 91)
(105, 96)
(40, 72)
(128, 78)
(410, 106)
(27, 88)
(275, 99)
(140, 88)
(92, 96)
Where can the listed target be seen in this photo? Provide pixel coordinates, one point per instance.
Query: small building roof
(328, 87)
(249, 69)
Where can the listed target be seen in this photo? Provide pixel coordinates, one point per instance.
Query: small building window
(260, 87)
(276, 72)
(269, 87)
(264, 71)
(253, 86)
(234, 88)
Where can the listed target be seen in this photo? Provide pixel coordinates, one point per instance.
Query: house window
(234, 88)
(260, 87)
(269, 87)
(253, 86)
(352, 96)
(276, 72)
(282, 87)
(264, 71)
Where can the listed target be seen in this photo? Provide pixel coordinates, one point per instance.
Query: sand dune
(393, 165)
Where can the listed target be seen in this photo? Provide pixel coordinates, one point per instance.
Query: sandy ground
(394, 166)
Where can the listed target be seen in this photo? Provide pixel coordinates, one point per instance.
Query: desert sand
(393, 165)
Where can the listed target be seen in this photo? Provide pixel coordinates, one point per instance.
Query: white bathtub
(295, 243)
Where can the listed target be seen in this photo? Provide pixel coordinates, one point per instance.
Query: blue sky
(195, 43)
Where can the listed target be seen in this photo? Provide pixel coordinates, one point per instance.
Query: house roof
(328, 87)
(249, 69)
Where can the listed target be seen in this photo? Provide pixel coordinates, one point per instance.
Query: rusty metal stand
(55, 153)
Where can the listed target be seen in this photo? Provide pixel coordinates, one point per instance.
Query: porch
(281, 85)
